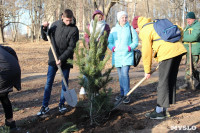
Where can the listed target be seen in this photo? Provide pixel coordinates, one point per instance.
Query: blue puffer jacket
(120, 38)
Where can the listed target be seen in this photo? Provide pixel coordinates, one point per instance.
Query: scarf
(99, 28)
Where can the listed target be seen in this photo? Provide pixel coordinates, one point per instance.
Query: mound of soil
(115, 121)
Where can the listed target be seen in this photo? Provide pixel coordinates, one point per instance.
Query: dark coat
(64, 38)
(10, 72)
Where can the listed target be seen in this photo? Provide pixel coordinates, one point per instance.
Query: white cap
(120, 14)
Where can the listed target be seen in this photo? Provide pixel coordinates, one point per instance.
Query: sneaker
(155, 115)
(127, 100)
(118, 97)
(148, 114)
(43, 111)
(184, 86)
(12, 125)
(198, 86)
(166, 114)
(62, 108)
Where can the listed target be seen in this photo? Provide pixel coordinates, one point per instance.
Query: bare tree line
(11, 12)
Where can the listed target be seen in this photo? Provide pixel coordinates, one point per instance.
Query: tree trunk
(32, 21)
(60, 7)
(95, 4)
(15, 34)
(39, 34)
(173, 12)
(32, 33)
(104, 8)
(91, 109)
(108, 7)
(183, 14)
(134, 10)
(147, 10)
(1, 34)
(1, 22)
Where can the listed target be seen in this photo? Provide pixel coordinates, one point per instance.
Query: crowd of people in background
(122, 39)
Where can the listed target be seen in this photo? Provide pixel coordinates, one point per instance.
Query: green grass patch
(68, 128)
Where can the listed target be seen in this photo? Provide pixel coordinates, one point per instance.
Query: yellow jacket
(160, 49)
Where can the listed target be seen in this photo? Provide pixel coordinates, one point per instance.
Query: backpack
(137, 53)
(166, 30)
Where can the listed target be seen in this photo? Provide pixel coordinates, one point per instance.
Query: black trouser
(166, 91)
(6, 105)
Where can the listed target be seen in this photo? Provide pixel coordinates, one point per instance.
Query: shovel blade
(118, 102)
(71, 97)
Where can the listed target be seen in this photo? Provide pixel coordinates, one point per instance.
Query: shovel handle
(191, 71)
(141, 81)
(56, 59)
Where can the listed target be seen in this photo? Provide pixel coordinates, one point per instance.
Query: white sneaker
(62, 108)
(43, 111)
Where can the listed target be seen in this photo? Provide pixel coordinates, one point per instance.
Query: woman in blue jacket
(122, 45)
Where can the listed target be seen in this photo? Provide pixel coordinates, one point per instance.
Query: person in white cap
(122, 41)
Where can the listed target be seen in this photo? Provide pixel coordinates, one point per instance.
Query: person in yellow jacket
(168, 55)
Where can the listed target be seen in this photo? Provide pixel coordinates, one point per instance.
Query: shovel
(117, 103)
(191, 65)
(69, 94)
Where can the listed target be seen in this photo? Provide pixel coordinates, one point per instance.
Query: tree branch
(95, 4)
(16, 22)
(108, 7)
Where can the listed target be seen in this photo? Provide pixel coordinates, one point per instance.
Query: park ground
(185, 114)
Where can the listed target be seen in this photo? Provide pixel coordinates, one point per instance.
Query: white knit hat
(120, 14)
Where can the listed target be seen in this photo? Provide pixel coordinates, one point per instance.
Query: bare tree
(41, 10)
(104, 5)
(8, 10)
(147, 8)
(14, 28)
(34, 7)
(135, 3)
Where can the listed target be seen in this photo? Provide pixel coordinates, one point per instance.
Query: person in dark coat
(10, 76)
(64, 34)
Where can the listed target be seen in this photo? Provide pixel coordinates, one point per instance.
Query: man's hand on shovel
(58, 62)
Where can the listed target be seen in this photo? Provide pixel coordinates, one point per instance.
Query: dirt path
(185, 114)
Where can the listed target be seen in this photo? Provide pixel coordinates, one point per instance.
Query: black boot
(12, 124)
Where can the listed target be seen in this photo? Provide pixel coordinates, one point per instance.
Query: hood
(142, 21)
(97, 12)
(73, 21)
(134, 22)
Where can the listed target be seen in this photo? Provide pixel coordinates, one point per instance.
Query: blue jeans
(124, 81)
(48, 87)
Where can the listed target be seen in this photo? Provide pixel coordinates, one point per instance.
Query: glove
(113, 49)
(129, 49)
